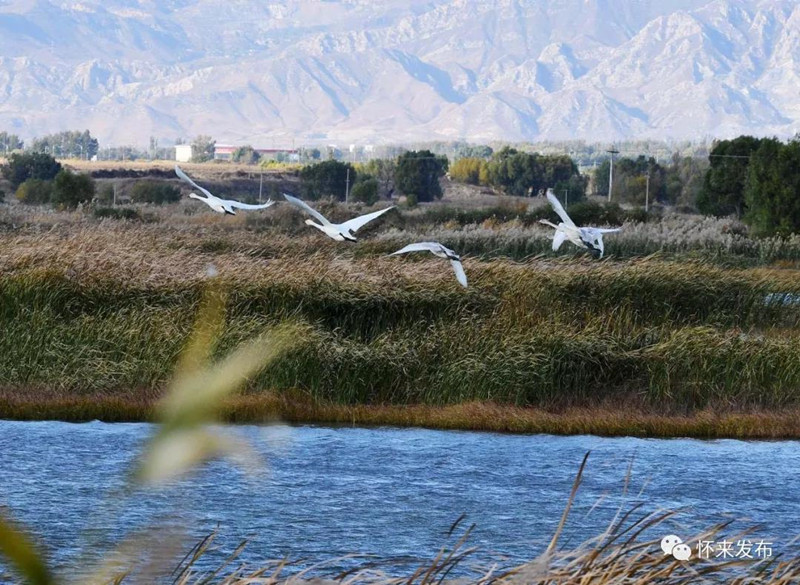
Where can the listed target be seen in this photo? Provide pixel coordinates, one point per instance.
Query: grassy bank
(614, 419)
(98, 309)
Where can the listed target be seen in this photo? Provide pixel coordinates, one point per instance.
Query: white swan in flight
(584, 237)
(214, 202)
(338, 231)
(442, 252)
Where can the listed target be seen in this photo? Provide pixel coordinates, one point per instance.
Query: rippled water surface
(328, 491)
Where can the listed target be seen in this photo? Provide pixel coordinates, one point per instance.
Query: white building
(183, 152)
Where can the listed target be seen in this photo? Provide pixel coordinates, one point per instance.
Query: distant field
(673, 333)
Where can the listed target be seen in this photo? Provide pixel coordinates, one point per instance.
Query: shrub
(34, 192)
(154, 192)
(105, 194)
(70, 189)
(121, 213)
(365, 191)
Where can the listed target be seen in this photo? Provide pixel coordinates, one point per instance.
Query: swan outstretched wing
(558, 209)
(184, 177)
(459, 270)
(558, 239)
(354, 224)
(419, 247)
(308, 209)
(239, 205)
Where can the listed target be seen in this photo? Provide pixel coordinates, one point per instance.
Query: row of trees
(415, 174)
(522, 173)
(68, 144)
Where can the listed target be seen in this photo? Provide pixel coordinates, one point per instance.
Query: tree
(203, 148)
(684, 180)
(327, 179)
(29, 165)
(9, 142)
(34, 192)
(382, 169)
(526, 174)
(630, 179)
(467, 170)
(418, 173)
(366, 191)
(246, 155)
(70, 189)
(723, 186)
(772, 188)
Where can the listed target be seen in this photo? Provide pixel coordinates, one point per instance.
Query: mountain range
(275, 74)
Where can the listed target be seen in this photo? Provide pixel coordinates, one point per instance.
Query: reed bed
(101, 307)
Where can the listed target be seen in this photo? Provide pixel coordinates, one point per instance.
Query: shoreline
(601, 420)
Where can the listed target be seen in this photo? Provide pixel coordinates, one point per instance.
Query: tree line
(754, 179)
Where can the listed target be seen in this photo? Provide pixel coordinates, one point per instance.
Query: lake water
(390, 492)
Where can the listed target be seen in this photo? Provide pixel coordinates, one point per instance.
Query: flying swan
(584, 237)
(215, 203)
(338, 231)
(442, 252)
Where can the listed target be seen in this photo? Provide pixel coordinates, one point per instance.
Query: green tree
(156, 192)
(34, 192)
(526, 174)
(772, 188)
(723, 186)
(22, 166)
(203, 148)
(70, 189)
(418, 173)
(246, 155)
(327, 179)
(684, 180)
(365, 191)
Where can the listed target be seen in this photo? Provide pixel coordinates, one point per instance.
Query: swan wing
(558, 239)
(419, 247)
(239, 205)
(184, 177)
(459, 270)
(559, 209)
(354, 224)
(307, 208)
(608, 230)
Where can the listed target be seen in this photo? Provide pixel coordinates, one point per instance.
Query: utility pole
(347, 185)
(647, 193)
(114, 200)
(261, 185)
(612, 152)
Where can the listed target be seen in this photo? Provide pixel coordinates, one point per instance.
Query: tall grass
(107, 308)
